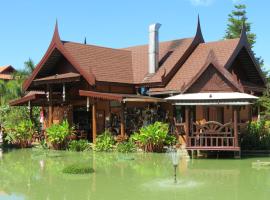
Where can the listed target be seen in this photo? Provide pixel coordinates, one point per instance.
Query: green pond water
(37, 174)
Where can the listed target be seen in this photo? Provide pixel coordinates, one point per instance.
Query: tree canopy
(235, 23)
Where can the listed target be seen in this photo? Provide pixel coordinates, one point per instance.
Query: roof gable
(57, 44)
(198, 61)
(243, 43)
(212, 73)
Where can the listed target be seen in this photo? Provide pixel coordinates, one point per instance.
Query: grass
(78, 168)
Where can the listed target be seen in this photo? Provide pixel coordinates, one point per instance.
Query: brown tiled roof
(223, 51)
(128, 65)
(169, 54)
(107, 64)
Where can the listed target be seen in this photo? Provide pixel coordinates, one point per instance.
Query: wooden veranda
(208, 134)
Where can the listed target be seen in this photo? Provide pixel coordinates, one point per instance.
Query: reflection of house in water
(209, 85)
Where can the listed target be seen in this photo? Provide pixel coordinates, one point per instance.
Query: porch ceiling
(218, 98)
(58, 78)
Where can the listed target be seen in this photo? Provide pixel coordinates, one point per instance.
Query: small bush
(78, 169)
(126, 147)
(57, 134)
(104, 142)
(78, 145)
(153, 137)
(20, 134)
(257, 136)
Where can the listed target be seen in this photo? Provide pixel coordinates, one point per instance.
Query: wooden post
(249, 113)
(94, 122)
(235, 126)
(50, 106)
(259, 113)
(122, 121)
(187, 124)
(50, 115)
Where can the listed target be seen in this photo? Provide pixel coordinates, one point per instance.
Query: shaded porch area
(92, 112)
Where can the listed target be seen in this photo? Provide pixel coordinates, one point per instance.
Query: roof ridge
(142, 45)
(93, 45)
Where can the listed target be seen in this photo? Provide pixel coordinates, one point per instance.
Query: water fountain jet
(175, 156)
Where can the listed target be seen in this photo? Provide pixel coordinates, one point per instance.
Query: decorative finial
(56, 33)
(199, 31)
(243, 35)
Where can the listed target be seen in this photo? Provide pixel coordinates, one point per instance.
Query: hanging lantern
(87, 104)
(48, 95)
(64, 92)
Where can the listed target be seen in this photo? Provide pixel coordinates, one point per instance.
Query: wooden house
(204, 89)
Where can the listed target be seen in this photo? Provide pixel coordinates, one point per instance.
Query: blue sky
(26, 27)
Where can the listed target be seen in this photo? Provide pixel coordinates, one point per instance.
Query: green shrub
(78, 145)
(57, 134)
(126, 147)
(20, 133)
(153, 137)
(78, 168)
(257, 136)
(104, 142)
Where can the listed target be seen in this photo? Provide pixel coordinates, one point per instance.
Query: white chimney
(153, 50)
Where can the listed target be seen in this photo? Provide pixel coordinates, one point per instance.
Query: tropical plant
(57, 134)
(153, 137)
(104, 142)
(29, 66)
(20, 134)
(126, 146)
(79, 145)
(257, 136)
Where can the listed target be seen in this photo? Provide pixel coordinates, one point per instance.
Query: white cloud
(201, 2)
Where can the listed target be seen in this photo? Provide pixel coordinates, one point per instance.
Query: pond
(37, 174)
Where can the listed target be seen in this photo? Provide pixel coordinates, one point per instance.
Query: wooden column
(50, 115)
(187, 124)
(94, 122)
(235, 125)
(50, 106)
(122, 120)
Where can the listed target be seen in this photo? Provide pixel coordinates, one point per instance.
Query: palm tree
(29, 66)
